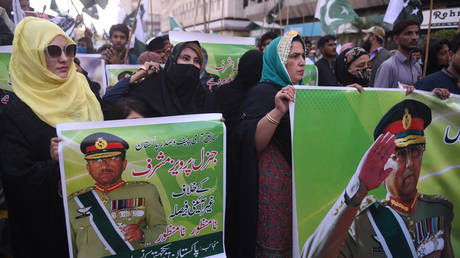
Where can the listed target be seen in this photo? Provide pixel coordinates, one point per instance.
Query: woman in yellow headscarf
(48, 91)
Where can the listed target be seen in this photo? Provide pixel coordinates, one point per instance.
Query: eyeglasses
(107, 161)
(56, 51)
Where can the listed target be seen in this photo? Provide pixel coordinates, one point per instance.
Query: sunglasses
(56, 51)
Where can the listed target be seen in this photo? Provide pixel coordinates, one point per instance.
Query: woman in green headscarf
(265, 209)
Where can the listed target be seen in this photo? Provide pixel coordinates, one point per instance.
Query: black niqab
(176, 89)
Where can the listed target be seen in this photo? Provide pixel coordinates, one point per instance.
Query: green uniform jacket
(432, 213)
(132, 203)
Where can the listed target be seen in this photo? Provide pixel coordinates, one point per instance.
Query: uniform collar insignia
(402, 206)
(109, 189)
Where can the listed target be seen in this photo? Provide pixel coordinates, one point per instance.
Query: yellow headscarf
(52, 98)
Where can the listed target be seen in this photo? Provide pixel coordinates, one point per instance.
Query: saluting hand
(373, 171)
(283, 97)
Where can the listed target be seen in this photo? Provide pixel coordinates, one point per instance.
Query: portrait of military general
(112, 216)
(407, 223)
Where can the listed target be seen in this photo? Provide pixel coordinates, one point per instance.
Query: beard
(366, 45)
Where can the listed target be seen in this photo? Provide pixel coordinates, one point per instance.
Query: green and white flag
(333, 13)
(401, 9)
(174, 24)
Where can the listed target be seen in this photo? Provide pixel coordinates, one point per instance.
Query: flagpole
(133, 29)
(204, 16)
(287, 15)
(151, 18)
(209, 15)
(279, 16)
(78, 13)
(196, 13)
(265, 15)
(427, 47)
(223, 13)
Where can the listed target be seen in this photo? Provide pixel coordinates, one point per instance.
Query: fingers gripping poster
(144, 187)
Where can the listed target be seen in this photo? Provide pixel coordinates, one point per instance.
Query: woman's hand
(442, 93)
(357, 86)
(147, 69)
(283, 97)
(54, 143)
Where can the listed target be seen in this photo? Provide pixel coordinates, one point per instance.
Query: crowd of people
(50, 88)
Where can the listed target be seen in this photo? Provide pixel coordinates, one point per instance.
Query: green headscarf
(275, 59)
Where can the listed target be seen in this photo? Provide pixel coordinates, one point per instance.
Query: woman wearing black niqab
(176, 89)
(231, 95)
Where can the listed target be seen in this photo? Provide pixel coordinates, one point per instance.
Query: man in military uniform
(407, 223)
(113, 216)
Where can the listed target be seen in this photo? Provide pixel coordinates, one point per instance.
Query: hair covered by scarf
(343, 62)
(275, 58)
(52, 98)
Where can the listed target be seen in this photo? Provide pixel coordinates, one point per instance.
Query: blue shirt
(441, 79)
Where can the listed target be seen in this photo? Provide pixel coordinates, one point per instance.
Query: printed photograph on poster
(140, 186)
(406, 180)
(116, 73)
(5, 55)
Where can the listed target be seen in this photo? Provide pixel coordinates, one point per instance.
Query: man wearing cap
(407, 223)
(113, 216)
(372, 43)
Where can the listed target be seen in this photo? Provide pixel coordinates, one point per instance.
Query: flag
(139, 36)
(403, 9)
(89, 7)
(18, 13)
(333, 13)
(174, 24)
(67, 23)
(273, 13)
(54, 7)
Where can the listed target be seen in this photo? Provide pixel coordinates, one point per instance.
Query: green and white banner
(224, 52)
(332, 130)
(115, 73)
(172, 188)
(5, 55)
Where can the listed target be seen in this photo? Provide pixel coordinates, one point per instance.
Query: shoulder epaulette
(367, 201)
(435, 198)
(137, 183)
(72, 195)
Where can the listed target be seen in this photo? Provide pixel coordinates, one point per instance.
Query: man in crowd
(446, 81)
(157, 46)
(119, 34)
(408, 223)
(113, 216)
(266, 38)
(372, 43)
(401, 67)
(326, 71)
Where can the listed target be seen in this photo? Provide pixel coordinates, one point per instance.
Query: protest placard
(332, 128)
(166, 178)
